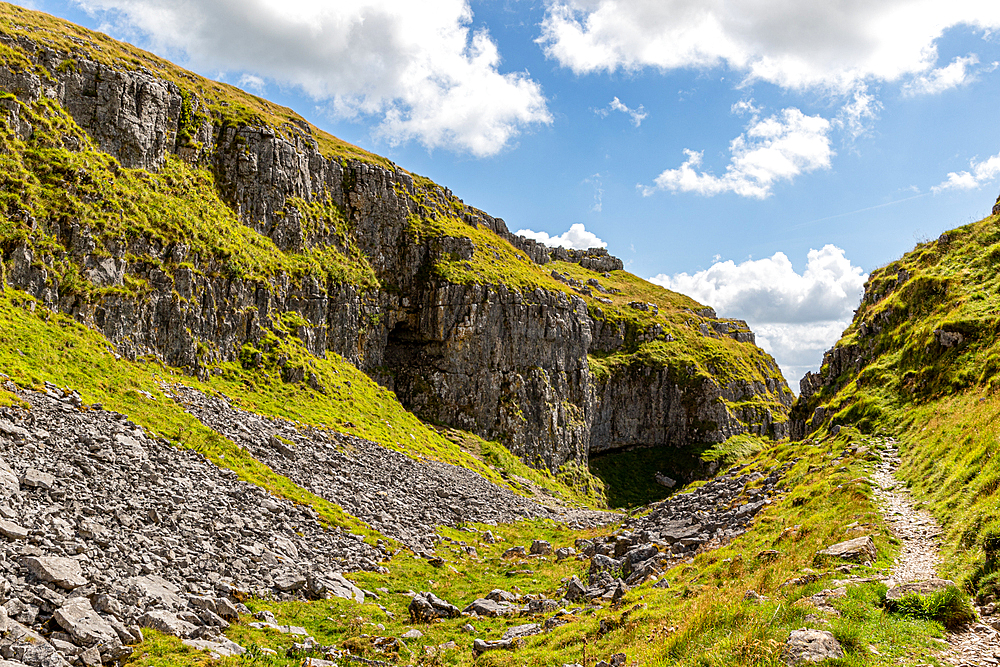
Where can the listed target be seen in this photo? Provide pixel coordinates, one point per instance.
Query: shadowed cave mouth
(629, 475)
(406, 360)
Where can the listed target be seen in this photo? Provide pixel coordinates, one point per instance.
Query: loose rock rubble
(401, 497)
(109, 530)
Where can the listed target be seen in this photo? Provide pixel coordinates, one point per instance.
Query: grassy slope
(941, 401)
(701, 620)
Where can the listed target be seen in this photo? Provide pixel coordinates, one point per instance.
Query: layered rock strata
(505, 363)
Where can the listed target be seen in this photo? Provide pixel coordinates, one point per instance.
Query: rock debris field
(108, 530)
(398, 496)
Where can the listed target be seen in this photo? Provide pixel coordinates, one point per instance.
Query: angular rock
(564, 553)
(426, 607)
(38, 479)
(167, 623)
(540, 548)
(498, 595)
(514, 552)
(157, 588)
(289, 581)
(333, 584)
(479, 646)
(218, 648)
(12, 531)
(492, 609)
(84, 624)
(63, 572)
(858, 550)
(811, 646)
(9, 483)
(519, 631)
(924, 587)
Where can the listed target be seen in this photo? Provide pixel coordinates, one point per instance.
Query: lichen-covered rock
(811, 646)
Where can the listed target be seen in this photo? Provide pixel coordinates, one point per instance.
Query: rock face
(502, 362)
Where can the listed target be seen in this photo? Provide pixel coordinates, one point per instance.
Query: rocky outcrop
(505, 363)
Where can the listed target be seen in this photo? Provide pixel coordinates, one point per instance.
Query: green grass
(939, 401)
(701, 619)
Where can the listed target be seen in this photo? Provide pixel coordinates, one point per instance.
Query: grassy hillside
(922, 361)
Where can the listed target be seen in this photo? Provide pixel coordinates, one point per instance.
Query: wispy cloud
(636, 116)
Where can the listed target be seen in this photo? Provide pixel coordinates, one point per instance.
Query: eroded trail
(917, 530)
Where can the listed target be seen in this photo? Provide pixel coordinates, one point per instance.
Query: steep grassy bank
(920, 360)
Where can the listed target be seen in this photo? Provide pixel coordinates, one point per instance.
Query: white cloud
(773, 149)
(253, 82)
(636, 115)
(595, 181)
(958, 73)
(418, 68)
(834, 45)
(577, 238)
(858, 115)
(982, 173)
(796, 316)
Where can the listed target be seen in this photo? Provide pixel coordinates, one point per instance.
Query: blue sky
(760, 155)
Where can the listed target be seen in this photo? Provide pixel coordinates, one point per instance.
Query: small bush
(949, 607)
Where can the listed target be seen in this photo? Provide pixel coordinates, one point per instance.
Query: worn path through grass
(919, 556)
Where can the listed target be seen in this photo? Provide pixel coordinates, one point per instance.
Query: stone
(289, 581)
(217, 648)
(425, 607)
(334, 584)
(923, 587)
(9, 484)
(38, 479)
(811, 646)
(91, 657)
(498, 595)
(157, 588)
(63, 572)
(412, 634)
(491, 608)
(858, 550)
(663, 480)
(540, 548)
(564, 553)
(167, 623)
(12, 531)
(85, 625)
(480, 646)
(519, 631)
(514, 552)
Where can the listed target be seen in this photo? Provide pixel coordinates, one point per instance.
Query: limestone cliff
(435, 299)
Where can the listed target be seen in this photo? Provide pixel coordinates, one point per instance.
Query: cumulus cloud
(796, 316)
(773, 149)
(419, 68)
(635, 115)
(577, 237)
(980, 174)
(835, 44)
